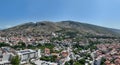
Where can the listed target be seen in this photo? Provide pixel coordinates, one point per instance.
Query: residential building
(28, 54)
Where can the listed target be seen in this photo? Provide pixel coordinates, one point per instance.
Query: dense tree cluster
(49, 58)
(15, 60)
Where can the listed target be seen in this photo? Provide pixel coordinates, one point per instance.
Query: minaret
(39, 53)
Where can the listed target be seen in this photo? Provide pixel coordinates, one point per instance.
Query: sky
(98, 12)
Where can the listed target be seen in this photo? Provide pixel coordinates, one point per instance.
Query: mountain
(47, 27)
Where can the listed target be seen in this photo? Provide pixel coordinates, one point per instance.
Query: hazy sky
(100, 12)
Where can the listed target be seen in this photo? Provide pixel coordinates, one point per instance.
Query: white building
(5, 59)
(5, 55)
(39, 62)
(28, 54)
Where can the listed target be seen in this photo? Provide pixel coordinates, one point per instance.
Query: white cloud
(8, 26)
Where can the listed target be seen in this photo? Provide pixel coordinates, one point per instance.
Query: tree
(53, 58)
(3, 44)
(15, 60)
(82, 61)
(49, 58)
(66, 63)
(71, 62)
(77, 63)
(22, 44)
(102, 61)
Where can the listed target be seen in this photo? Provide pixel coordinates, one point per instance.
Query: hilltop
(47, 27)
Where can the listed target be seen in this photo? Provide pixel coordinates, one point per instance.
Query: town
(59, 49)
(59, 32)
